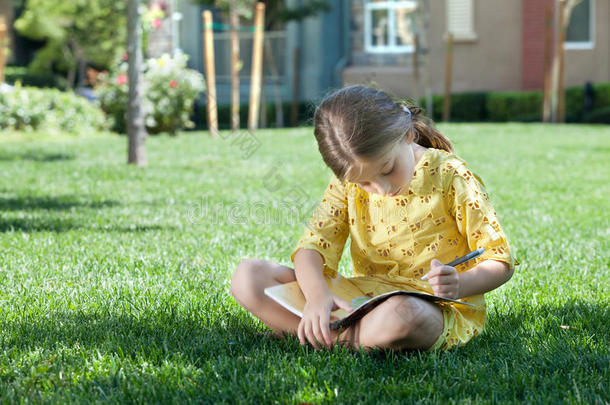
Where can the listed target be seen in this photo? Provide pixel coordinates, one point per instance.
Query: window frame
(590, 44)
(468, 35)
(390, 6)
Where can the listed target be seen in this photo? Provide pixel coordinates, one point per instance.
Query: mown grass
(115, 278)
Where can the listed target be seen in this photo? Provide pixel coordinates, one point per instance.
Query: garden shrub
(601, 97)
(169, 89)
(305, 111)
(514, 106)
(598, 116)
(113, 96)
(575, 103)
(23, 75)
(518, 106)
(465, 107)
(31, 108)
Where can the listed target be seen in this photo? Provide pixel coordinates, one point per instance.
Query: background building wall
(592, 64)
(490, 62)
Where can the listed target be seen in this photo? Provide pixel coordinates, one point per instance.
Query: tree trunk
(136, 131)
(71, 75)
(81, 64)
(234, 66)
(425, 44)
(257, 54)
(279, 110)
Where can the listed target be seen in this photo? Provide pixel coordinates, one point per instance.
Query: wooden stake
(2, 47)
(424, 43)
(448, 69)
(548, 52)
(561, 54)
(210, 72)
(279, 110)
(235, 67)
(257, 58)
(416, 69)
(263, 106)
(294, 108)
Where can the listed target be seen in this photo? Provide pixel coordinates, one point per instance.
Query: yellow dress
(444, 214)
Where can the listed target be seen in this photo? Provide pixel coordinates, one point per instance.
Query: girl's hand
(315, 324)
(443, 279)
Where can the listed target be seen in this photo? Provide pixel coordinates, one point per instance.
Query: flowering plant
(169, 89)
(30, 108)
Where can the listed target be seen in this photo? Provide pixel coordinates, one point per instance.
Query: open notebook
(290, 296)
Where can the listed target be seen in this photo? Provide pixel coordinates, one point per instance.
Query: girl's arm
(308, 265)
(319, 301)
(485, 276)
(477, 221)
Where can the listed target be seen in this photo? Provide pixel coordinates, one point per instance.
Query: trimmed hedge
(14, 74)
(598, 116)
(523, 106)
(304, 115)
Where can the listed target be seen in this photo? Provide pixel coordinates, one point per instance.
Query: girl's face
(391, 175)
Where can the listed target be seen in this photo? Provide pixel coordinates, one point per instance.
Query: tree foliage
(76, 32)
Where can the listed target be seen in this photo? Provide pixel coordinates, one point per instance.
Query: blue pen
(463, 259)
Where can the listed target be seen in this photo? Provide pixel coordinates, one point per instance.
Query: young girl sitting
(410, 205)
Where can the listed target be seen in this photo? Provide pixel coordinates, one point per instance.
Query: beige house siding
(592, 64)
(492, 61)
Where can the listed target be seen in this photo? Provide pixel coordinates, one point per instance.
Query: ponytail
(425, 134)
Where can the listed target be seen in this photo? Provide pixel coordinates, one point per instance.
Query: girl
(410, 205)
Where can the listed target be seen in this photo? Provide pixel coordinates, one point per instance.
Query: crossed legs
(400, 322)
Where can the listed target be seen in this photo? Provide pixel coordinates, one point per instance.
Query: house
(498, 45)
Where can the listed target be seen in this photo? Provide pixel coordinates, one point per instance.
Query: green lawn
(115, 279)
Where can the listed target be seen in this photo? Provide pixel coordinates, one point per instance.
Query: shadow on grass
(548, 335)
(151, 334)
(50, 203)
(35, 155)
(58, 225)
(37, 224)
(519, 353)
(199, 336)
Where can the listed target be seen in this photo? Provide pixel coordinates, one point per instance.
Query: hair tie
(406, 109)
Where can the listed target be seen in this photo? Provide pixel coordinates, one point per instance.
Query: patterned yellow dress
(444, 214)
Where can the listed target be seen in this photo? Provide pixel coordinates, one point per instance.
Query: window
(579, 34)
(460, 19)
(389, 26)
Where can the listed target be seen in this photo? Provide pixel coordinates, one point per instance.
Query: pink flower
(121, 79)
(156, 23)
(173, 84)
(125, 56)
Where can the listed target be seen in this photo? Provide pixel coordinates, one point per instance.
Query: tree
(136, 131)
(76, 32)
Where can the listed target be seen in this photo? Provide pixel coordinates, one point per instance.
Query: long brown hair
(359, 122)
